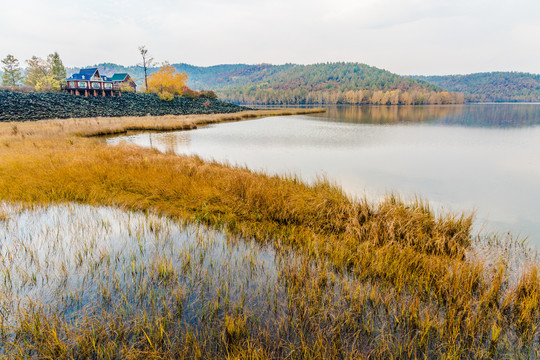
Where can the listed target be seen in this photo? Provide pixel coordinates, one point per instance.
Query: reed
(361, 279)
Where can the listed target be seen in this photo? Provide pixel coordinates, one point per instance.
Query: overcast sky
(403, 36)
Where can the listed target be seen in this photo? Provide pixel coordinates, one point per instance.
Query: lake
(475, 157)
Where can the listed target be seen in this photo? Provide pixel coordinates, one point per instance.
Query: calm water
(460, 158)
(68, 257)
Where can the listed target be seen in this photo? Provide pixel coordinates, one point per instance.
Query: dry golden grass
(118, 125)
(394, 245)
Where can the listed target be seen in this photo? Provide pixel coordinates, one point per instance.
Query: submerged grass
(409, 285)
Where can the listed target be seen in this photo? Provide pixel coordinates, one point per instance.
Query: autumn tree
(45, 75)
(406, 98)
(36, 71)
(393, 97)
(126, 88)
(166, 82)
(12, 75)
(377, 97)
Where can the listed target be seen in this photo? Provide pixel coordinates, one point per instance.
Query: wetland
(122, 251)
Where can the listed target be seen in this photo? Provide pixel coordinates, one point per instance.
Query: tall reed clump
(414, 270)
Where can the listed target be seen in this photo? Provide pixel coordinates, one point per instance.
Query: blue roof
(89, 71)
(87, 77)
(76, 76)
(86, 74)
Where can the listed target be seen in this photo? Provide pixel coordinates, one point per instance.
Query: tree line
(335, 97)
(325, 83)
(491, 86)
(40, 74)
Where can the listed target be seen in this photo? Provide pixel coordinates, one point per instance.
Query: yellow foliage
(126, 88)
(166, 82)
(47, 83)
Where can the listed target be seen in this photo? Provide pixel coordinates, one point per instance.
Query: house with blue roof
(89, 82)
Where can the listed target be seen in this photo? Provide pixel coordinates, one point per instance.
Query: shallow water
(104, 273)
(82, 266)
(72, 259)
(484, 157)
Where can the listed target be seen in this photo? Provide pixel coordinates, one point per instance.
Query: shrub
(209, 94)
(190, 94)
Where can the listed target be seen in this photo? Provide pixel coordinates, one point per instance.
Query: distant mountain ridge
(325, 83)
(491, 86)
(348, 83)
(219, 77)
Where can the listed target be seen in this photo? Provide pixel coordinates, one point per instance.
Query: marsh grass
(355, 279)
(93, 282)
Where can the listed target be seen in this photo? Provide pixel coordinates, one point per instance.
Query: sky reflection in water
(461, 158)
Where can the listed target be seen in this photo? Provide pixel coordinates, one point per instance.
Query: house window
(72, 84)
(95, 85)
(108, 85)
(82, 84)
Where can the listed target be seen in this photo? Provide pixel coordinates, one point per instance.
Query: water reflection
(74, 259)
(470, 115)
(463, 158)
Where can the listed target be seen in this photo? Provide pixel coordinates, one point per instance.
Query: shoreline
(105, 126)
(395, 245)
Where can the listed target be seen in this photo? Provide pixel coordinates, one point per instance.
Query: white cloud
(406, 36)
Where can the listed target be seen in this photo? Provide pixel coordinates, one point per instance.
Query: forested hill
(327, 83)
(330, 83)
(492, 86)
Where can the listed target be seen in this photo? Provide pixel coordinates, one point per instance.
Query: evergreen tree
(12, 75)
(57, 69)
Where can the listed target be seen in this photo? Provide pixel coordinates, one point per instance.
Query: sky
(428, 37)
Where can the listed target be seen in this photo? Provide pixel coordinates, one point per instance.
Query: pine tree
(57, 69)
(12, 75)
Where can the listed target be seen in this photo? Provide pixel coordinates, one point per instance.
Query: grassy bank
(418, 289)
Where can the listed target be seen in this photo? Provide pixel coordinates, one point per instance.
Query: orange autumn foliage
(166, 82)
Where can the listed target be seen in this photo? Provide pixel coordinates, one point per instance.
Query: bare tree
(147, 62)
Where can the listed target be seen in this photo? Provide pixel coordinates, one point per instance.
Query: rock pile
(18, 106)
